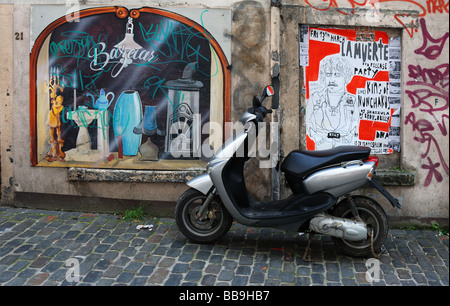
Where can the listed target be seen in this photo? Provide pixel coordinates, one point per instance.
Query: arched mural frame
(120, 12)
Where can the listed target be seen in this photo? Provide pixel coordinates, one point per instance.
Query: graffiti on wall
(374, 12)
(423, 6)
(427, 93)
(125, 89)
(352, 82)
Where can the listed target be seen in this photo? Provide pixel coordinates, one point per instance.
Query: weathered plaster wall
(250, 73)
(6, 102)
(426, 112)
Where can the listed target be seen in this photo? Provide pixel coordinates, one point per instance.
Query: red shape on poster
(321, 50)
(360, 81)
(310, 144)
(369, 128)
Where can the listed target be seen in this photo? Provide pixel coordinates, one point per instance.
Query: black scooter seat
(299, 163)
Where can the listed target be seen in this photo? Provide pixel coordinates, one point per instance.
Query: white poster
(348, 89)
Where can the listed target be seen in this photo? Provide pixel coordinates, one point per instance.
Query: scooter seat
(299, 163)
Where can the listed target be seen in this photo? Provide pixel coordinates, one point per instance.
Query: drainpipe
(275, 74)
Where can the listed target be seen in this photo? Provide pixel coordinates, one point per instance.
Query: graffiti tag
(428, 93)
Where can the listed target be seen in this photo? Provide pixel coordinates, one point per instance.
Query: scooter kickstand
(307, 255)
(375, 255)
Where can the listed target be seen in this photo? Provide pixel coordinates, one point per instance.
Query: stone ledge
(384, 177)
(136, 176)
(395, 177)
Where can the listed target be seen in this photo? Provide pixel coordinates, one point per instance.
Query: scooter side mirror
(268, 92)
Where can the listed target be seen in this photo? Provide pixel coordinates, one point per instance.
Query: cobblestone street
(69, 248)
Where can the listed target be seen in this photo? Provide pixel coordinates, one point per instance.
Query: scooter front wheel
(213, 226)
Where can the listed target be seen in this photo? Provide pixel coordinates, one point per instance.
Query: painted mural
(352, 87)
(126, 89)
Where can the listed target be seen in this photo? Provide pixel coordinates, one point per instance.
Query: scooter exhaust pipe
(339, 227)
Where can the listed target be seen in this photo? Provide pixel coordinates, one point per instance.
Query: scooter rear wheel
(214, 226)
(375, 218)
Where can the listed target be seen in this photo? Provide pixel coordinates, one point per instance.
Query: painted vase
(127, 115)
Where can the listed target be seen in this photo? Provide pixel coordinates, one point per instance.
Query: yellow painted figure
(54, 121)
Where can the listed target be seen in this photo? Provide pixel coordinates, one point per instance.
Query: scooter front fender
(202, 183)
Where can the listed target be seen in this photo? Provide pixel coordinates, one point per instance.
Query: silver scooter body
(330, 183)
(318, 181)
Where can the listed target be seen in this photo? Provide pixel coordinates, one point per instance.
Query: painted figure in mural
(54, 120)
(332, 111)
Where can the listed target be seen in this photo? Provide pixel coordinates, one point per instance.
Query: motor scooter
(321, 182)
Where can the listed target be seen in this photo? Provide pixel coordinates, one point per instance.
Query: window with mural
(351, 88)
(119, 88)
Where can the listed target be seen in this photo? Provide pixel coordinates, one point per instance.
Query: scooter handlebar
(257, 108)
(261, 112)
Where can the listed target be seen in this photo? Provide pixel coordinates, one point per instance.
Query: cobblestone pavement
(70, 248)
